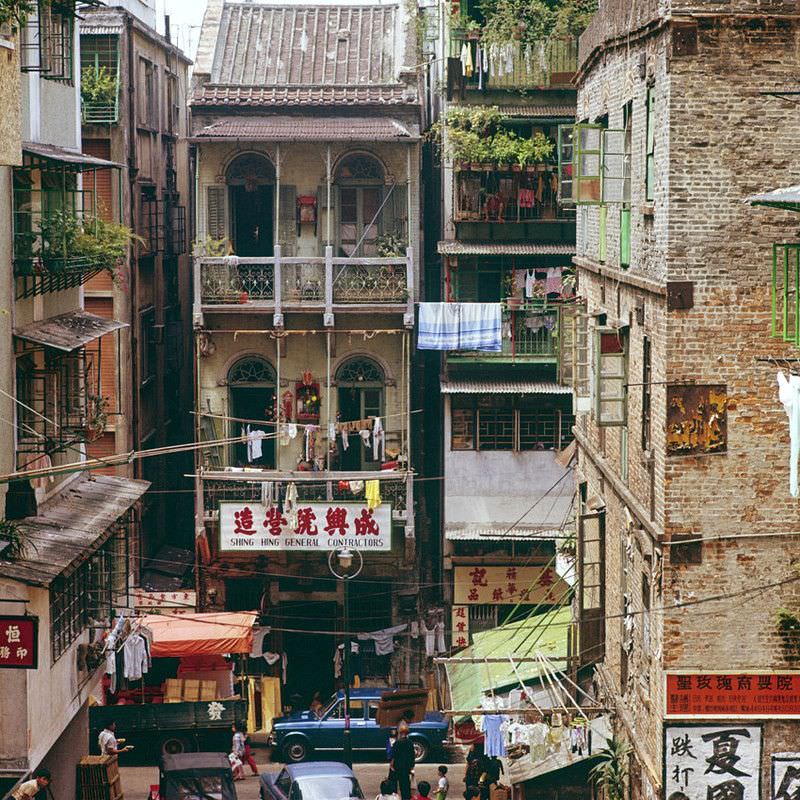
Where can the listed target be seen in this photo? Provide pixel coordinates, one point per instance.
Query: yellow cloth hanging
(251, 704)
(270, 701)
(372, 493)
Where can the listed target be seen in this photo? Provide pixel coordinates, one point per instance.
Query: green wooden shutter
(613, 171)
(216, 217)
(603, 216)
(287, 221)
(650, 164)
(625, 237)
(566, 135)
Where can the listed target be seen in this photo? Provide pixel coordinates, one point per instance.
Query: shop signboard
(250, 527)
(184, 601)
(711, 695)
(509, 584)
(18, 642)
(712, 762)
(460, 629)
(785, 776)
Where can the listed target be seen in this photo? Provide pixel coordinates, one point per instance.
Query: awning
(78, 160)
(71, 526)
(317, 129)
(517, 533)
(201, 634)
(458, 248)
(788, 198)
(504, 387)
(545, 633)
(68, 332)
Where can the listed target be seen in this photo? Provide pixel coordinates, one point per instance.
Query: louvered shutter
(216, 217)
(287, 221)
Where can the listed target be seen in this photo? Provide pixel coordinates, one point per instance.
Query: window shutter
(603, 219)
(287, 221)
(613, 173)
(216, 216)
(587, 163)
(393, 219)
(625, 237)
(565, 152)
(574, 356)
(611, 360)
(591, 593)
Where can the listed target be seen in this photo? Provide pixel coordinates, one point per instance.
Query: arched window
(250, 170)
(250, 179)
(360, 181)
(360, 371)
(251, 404)
(251, 369)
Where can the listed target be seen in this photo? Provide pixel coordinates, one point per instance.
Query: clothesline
(489, 711)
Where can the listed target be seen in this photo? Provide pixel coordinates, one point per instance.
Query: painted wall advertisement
(511, 584)
(785, 776)
(712, 762)
(250, 527)
(735, 695)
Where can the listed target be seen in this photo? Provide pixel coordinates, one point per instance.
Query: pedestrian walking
(443, 786)
(403, 761)
(241, 747)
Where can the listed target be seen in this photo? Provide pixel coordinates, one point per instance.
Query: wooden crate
(208, 690)
(173, 690)
(99, 778)
(191, 690)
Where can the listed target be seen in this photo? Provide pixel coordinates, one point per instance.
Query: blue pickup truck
(300, 734)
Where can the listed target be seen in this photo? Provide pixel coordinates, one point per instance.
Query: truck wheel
(173, 745)
(296, 750)
(421, 750)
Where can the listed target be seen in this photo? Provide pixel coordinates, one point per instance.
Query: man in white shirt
(108, 743)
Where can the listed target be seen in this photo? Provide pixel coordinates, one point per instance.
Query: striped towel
(460, 326)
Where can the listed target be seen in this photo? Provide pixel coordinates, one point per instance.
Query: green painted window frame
(603, 247)
(625, 237)
(650, 146)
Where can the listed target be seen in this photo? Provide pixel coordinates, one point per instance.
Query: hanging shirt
(378, 440)
(254, 438)
(789, 394)
(530, 282)
(135, 654)
(466, 60)
(372, 493)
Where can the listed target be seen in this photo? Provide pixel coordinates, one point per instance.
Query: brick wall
(717, 141)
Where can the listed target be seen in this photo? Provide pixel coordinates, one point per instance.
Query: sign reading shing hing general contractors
(251, 527)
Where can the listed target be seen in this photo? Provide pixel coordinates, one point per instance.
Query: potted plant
(17, 538)
(611, 771)
(512, 300)
(98, 89)
(504, 149)
(525, 155)
(472, 29)
(98, 417)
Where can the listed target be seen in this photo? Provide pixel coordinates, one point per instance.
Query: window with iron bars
(147, 107)
(163, 224)
(99, 584)
(47, 42)
(506, 423)
(56, 392)
(99, 78)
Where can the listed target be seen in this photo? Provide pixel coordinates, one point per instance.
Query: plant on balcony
(535, 150)
(97, 417)
(98, 87)
(212, 248)
(16, 12)
(19, 542)
(534, 22)
(505, 148)
(389, 245)
(610, 773)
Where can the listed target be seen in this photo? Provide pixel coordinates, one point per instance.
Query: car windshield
(329, 787)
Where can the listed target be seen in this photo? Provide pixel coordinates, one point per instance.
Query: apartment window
(650, 149)
(90, 592)
(99, 78)
(647, 393)
(505, 423)
(148, 97)
(611, 377)
(173, 109)
(148, 346)
(591, 586)
(47, 40)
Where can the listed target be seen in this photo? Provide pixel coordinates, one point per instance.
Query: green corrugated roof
(546, 633)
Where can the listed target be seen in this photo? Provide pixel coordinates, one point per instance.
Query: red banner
(733, 695)
(18, 642)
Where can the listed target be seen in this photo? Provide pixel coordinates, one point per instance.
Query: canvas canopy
(200, 634)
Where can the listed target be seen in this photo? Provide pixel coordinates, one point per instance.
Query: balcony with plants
(516, 44)
(99, 79)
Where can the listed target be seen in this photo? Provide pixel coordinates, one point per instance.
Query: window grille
(47, 40)
(99, 79)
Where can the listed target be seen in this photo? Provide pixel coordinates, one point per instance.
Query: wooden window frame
(650, 146)
(606, 375)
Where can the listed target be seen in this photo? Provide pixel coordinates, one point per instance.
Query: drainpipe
(134, 272)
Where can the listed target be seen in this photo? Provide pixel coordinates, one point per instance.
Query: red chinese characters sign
(709, 695)
(18, 642)
(510, 584)
(249, 526)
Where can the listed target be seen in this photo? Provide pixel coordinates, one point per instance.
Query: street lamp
(346, 573)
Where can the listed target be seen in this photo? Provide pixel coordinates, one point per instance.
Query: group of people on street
(402, 757)
(482, 773)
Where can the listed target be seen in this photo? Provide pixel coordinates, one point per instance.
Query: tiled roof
(379, 95)
(504, 387)
(541, 112)
(461, 248)
(286, 128)
(305, 45)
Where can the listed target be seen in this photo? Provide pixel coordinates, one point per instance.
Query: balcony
(325, 283)
(530, 335)
(516, 66)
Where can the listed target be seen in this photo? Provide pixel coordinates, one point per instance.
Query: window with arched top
(360, 183)
(251, 369)
(250, 170)
(359, 371)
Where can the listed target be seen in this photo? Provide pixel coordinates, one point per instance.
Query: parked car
(317, 780)
(300, 734)
(196, 776)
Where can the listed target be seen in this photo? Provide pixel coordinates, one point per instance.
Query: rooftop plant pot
(516, 167)
(476, 166)
(463, 166)
(513, 303)
(502, 166)
(474, 36)
(487, 166)
(530, 168)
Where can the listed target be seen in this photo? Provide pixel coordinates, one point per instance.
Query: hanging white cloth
(345, 440)
(789, 394)
(364, 434)
(257, 650)
(135, 654)
(290, 505)
(254, 438)
(378, 440)
(384, 639)
(441, 647)
(292, 430)
(430, 639)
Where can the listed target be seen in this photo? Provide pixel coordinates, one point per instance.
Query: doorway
(252, 219)
(360, 384)
(251, 402)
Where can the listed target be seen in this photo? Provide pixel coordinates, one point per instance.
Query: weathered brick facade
(718, 139)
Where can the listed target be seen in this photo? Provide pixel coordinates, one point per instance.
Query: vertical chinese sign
(712, 762)
(460, 627)
(18, 642)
